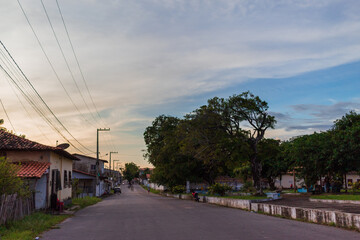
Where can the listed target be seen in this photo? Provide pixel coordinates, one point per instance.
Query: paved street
(139, 215)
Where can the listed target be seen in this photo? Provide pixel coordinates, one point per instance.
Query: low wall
(229, 202)
(340, 219)
(334, 201)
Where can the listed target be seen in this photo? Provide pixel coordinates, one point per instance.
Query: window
(65, 179)
(93, 167)
(350, 182)
(70, 180)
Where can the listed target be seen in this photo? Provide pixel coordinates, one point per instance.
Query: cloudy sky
(144, 58)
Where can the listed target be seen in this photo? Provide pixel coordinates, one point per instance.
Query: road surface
(143, 216)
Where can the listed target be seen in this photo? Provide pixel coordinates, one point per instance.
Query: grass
(30, 227)
(151, 190)
(86, 201)
(338, 197)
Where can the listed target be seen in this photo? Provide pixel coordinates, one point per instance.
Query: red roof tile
(32, 169)
(11, 142)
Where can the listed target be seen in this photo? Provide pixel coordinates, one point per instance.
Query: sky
(144, 58)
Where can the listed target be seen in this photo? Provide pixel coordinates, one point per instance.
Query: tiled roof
(32, 169)
(88, 157)
(11, 142)
(82, 172)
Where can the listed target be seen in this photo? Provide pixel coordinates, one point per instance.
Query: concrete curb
(334, 201)
(227, 202)
(340, 219)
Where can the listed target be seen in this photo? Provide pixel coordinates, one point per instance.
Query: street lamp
(110, 158)
(97, 154)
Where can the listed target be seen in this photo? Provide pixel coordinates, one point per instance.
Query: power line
(7, 116)
(77, 61)
(9, 65)
(50, 63)
(43, 103)
(80, 69)
(65, 59)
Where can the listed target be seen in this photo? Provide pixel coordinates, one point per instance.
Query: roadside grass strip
(86, 201)
(151, 189)
(30, 227)
(338, 197)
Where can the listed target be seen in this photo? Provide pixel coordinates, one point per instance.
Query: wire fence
(13, 207)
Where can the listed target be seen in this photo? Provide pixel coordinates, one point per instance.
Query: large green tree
(131, 171)
(172, 167)
(273, 162)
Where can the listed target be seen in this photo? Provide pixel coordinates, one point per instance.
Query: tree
(204, 136)
(311, 156)
(250, 108)
(172, 167)
(143, 174)
(346, 147)
(272, 161)
(131, 171)
(10, 183)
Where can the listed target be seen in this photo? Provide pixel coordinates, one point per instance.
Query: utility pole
(110, 158)
(97, 155)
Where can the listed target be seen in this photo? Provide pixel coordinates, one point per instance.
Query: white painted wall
(40, 192)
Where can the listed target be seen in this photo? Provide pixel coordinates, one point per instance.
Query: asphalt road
(139, 215)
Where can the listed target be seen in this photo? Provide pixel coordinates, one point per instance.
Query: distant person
(195, 196)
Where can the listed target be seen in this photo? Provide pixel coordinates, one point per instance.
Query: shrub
(248, 187)
(219, 189)
(355, 187)
(178, 189)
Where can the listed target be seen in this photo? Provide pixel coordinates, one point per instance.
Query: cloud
(142, 58)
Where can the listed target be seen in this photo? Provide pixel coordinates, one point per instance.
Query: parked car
(117, 189)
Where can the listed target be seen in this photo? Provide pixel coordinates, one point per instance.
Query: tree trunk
(256, 173)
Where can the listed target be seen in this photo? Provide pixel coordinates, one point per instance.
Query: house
(47, 169)
(35, 175)
(87, 165)
(85, 185)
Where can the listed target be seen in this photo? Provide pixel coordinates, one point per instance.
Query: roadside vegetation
(85, 201)
(30, 227)
(226, 137)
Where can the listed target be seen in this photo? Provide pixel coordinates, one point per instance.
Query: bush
(178, 189)
(219, 189)
(248, 187)
(355, 187)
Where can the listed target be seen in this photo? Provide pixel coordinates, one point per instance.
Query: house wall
(353, 178)
(286, 181)
(40, 192)
(60, 163)
(85, 164)
(22, 156)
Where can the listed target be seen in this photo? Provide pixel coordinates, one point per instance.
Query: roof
(78, 171)
(32, 169)
(11, 142)
(84, 156)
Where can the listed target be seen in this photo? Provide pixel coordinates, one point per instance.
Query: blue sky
(146, 58)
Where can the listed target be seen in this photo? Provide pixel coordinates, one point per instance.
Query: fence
(13, 207)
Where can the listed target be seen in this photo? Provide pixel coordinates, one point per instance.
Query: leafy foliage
(219, 189)
(131, 171)
(10, 183)
(178, 189)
